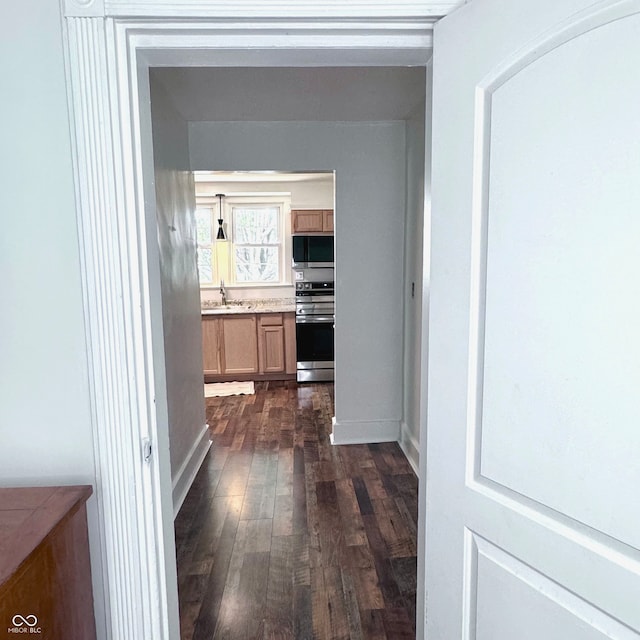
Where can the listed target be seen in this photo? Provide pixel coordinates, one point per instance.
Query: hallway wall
(413, 289)
(180, 292)
(369, 159)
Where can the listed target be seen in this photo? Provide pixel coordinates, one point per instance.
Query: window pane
(257, 264)
(205, 270)
(255, 225)
(203, 225)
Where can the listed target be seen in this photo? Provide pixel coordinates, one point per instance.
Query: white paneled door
(533, 461)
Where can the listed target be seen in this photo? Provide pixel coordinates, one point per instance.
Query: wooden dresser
(45, 575)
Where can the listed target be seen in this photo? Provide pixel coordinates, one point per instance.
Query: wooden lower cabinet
(249, 346)
(289, 322)
(211, 345)
(271, 343)
(45, 571)
(239, 345)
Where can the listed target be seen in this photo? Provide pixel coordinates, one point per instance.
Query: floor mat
(216, 389)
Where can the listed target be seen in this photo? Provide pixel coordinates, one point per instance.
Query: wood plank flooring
(284, 536)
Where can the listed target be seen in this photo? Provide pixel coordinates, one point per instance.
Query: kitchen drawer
(267, 319)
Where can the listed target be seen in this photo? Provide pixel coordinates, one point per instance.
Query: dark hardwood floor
(284, 536)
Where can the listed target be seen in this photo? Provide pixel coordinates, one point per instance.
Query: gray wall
(369, 159)
(180, 291)
(45, 414)
(410, 435)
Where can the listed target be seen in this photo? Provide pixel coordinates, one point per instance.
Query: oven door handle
(314, 319)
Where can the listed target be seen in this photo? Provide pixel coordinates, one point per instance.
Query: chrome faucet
(223, 293)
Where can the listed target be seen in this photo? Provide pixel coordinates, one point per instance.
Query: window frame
(211, 207)
(224, 261)
(278, 245)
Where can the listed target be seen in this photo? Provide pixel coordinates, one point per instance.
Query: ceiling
(254, 94)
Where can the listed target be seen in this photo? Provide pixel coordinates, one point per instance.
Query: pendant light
(221, 235)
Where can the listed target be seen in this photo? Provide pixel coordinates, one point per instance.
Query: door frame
(110, 45)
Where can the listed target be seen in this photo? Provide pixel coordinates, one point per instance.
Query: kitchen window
(256, 243)
(205, 238)
(257, 240)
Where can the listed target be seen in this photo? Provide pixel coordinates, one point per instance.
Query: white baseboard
(186, 474)
(410, 447)
(365, 431)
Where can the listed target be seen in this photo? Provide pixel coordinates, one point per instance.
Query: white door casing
(534, 349)
(109, 47)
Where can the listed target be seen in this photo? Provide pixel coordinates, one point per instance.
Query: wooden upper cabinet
(306, 220)
(239, 344)
(327, 220)
(311, 221)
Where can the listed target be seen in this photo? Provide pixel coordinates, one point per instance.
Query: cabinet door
(327, 220)
(239, 344)
(307, 221)
(271, 343)
(289, 322)
(211, 345)
(272, 349)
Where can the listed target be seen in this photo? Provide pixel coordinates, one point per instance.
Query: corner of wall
(365, 431)
(186, 474)
(410, 447)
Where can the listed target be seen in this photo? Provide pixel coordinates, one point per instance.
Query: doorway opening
(228, 275)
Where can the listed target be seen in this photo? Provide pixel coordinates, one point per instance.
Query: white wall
(45, 414)
(410, 432)
(180, 292)
(44, 408)
(369, 159)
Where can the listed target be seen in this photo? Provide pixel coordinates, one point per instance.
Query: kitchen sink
(232, 304)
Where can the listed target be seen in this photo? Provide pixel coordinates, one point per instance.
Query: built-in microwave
(312, 251)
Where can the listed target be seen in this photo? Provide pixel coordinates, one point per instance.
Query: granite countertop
(264, 305)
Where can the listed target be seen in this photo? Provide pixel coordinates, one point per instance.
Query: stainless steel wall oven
(315, 320)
